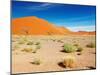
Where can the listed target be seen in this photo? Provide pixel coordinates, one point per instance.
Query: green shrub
(68, 48)
(91, 45)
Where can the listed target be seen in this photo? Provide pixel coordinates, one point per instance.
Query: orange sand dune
(34, 25)
(37, 26)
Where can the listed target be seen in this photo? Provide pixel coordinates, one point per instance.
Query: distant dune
(37, 26)
(84, 33)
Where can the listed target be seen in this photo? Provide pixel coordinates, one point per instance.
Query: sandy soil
(50, 53)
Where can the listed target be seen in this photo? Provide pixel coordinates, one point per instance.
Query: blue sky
(74, 17)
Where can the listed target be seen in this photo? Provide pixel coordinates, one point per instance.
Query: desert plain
(49, 53)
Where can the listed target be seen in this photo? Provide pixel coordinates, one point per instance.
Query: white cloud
(40, 7)
(82, 28)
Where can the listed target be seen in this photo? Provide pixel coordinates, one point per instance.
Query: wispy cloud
(43, 6)
(82, 28)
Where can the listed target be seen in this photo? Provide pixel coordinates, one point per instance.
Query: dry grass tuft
(91, 45)
(36, 62)
(69, 61)
(27, 49)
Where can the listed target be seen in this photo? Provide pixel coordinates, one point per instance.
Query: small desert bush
(60, 41)
(68, 48)
(27, 49)
(15, 47)
(21, 42)
(30, 43)
(91, 45)
(79, 49)
(54, 40)
(36, 62)
(37, 43)
(24, 38)
(34, 51)
(38, 47)
(74, 41)
(69, 61)
(76, 44)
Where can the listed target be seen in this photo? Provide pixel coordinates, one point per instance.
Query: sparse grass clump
(76, 45)
(79, 49)
(38, 47)
(54, 40)
(25, 38)
(30, 43)
(69, 61)
(37, 43)
(68, 48)
(36, 62)
(74, 41)
(27, 50)
(91, 45)
(21, 42)
(60, 41)
(15, 47)
(34, 51)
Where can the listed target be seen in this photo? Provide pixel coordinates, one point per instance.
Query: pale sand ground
(50, 54)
